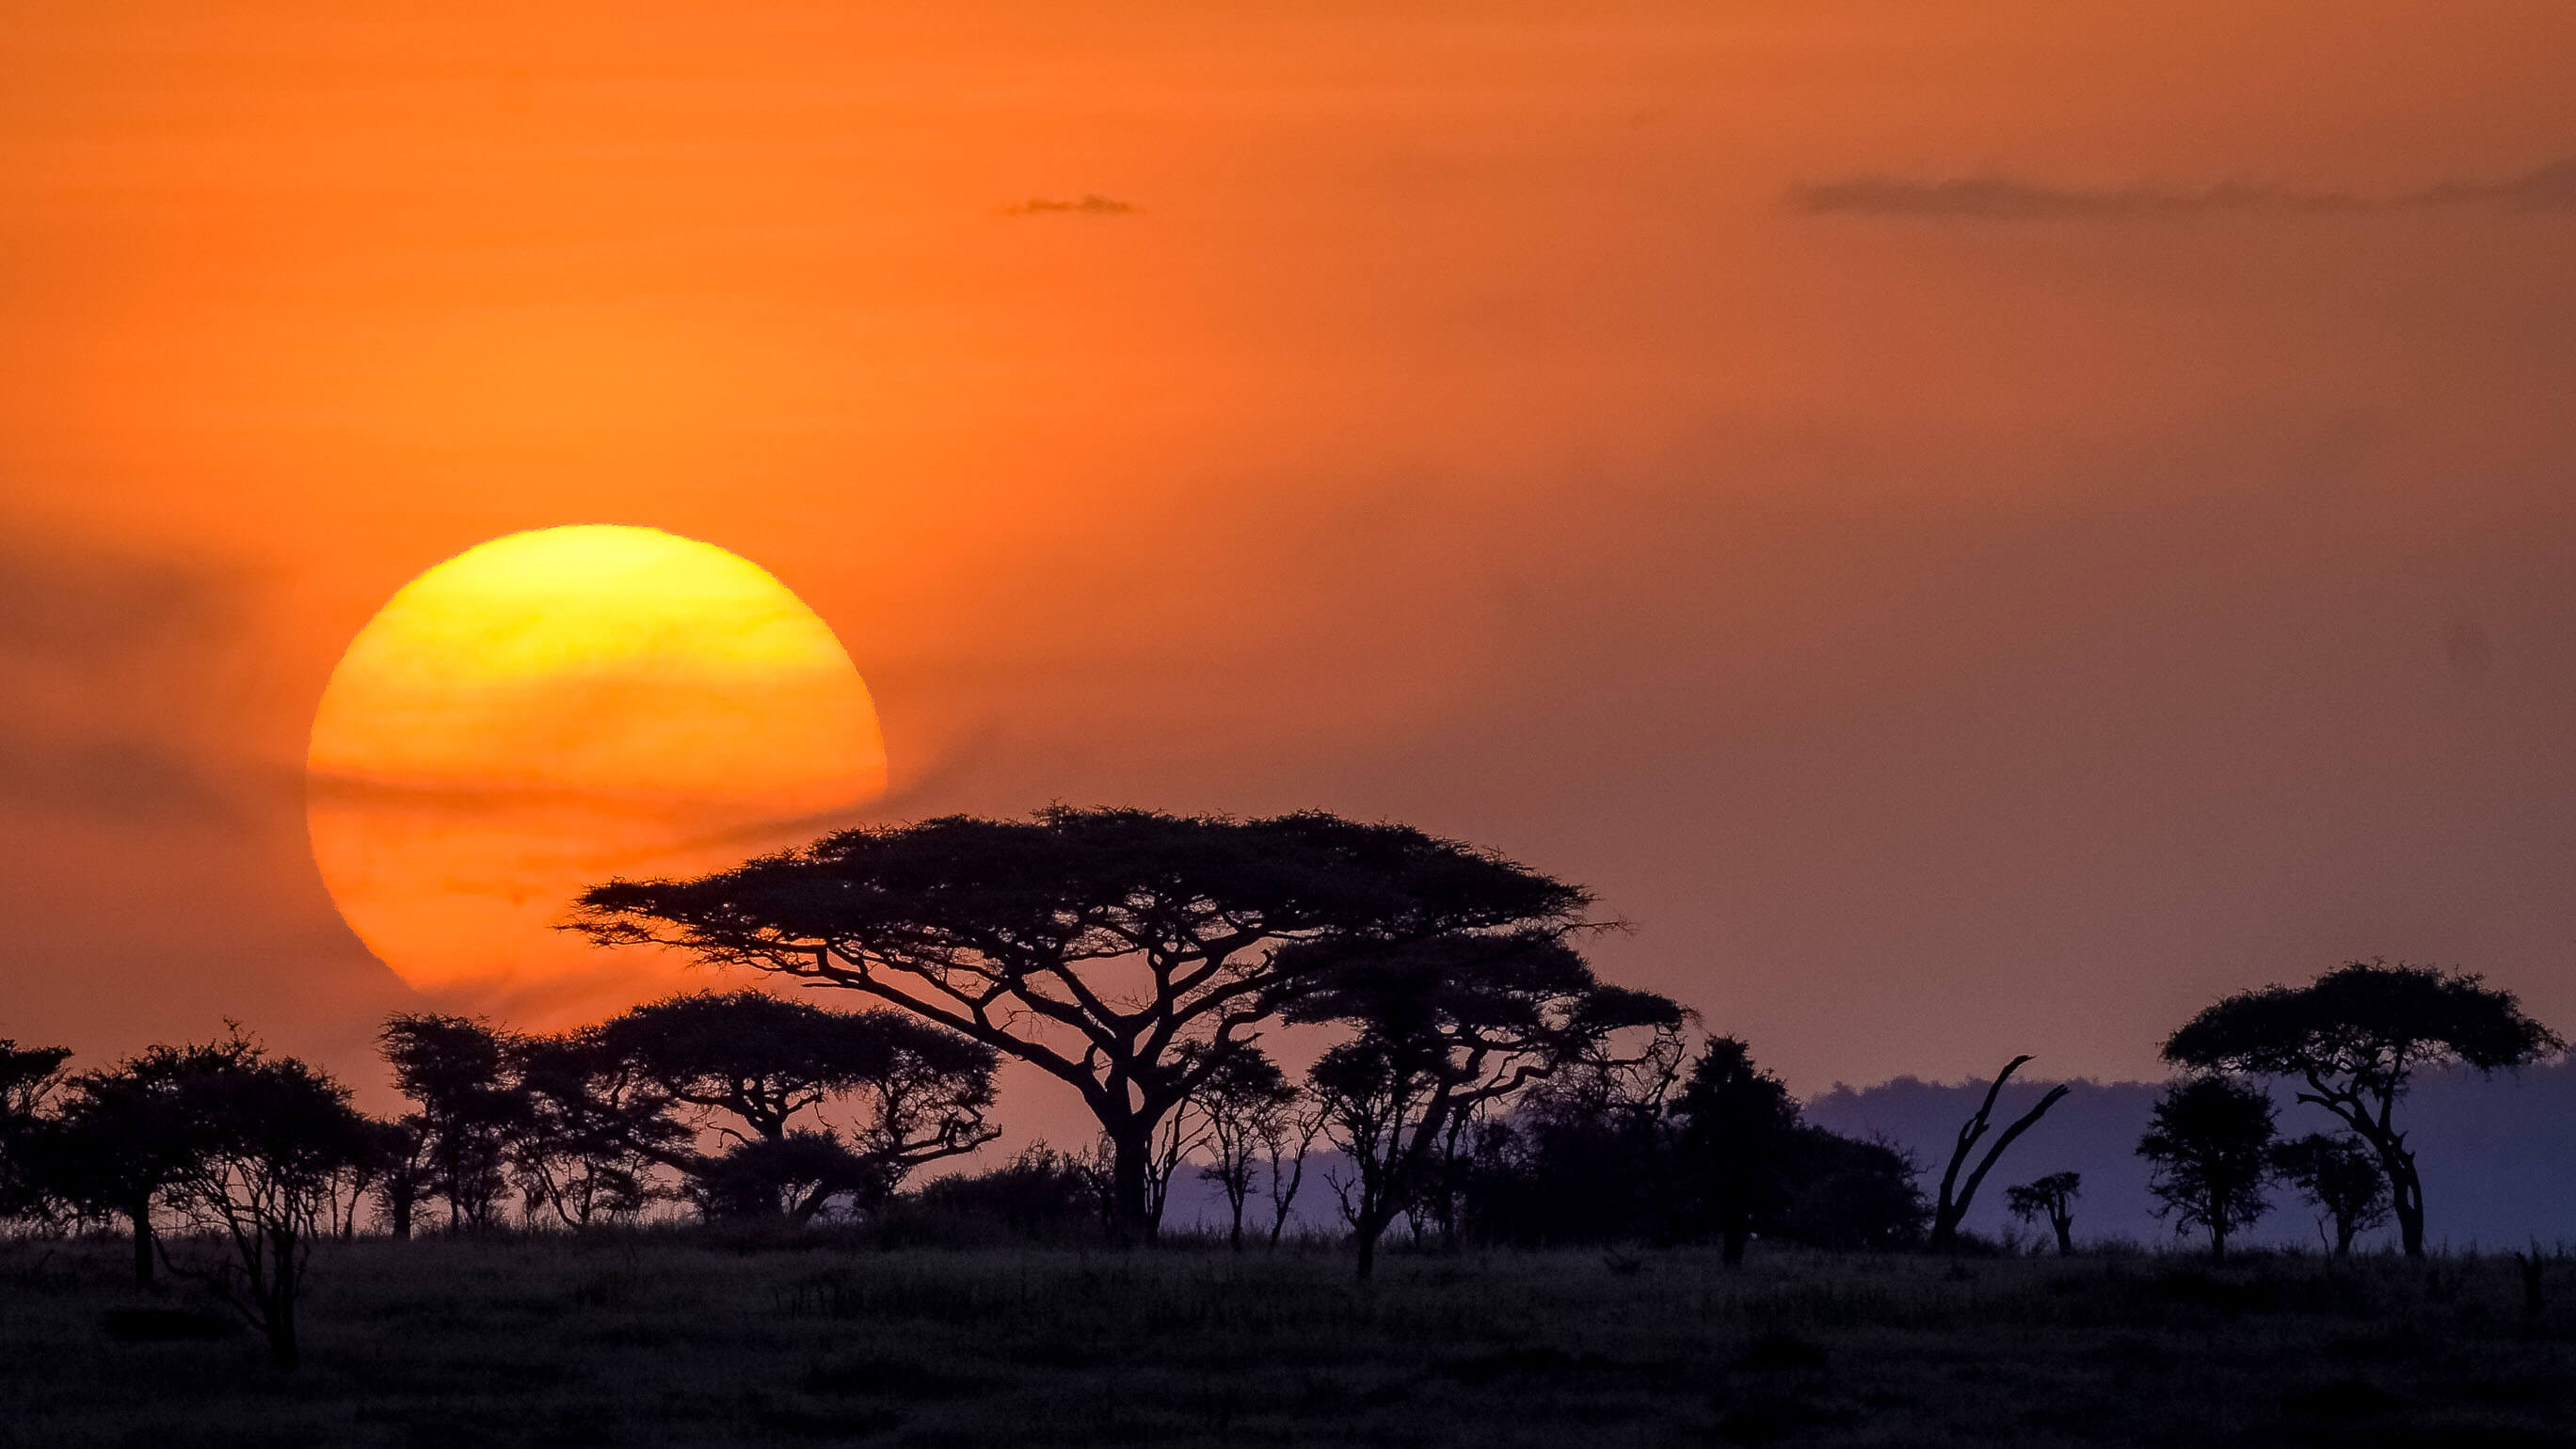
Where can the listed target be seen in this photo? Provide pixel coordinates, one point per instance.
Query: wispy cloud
(1090, 204)
(1996, 197)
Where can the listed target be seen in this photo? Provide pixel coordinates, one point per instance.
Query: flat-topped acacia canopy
(1096, 944)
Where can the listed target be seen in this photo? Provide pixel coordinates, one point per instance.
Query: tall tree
(1739, 1126)
(2356, 1037)
(269, 1138)
(462, 1074)
(2209, 1141)
(2340, 1177)
(1951, 1207)
(1445, 1029)
(1120, 951)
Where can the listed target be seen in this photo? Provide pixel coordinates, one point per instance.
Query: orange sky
(1946, 622)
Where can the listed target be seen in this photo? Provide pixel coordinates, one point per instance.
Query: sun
(552, 708)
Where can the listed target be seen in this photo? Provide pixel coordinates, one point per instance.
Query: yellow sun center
(554, 707)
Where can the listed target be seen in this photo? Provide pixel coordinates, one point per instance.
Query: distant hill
(2498, 1155)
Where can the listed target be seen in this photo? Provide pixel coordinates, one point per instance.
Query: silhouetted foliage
(121, 1139)
(29, 1077)
(2356, 1036)
(1445, 1029)
(1739, 1125)
(2341, 1178)
(756, 1065)
(1585, 1155)
(2053, 1198)
(1120, 951)
(1950, 1208)
(265, 1140)
(2210, 1143)
(1040, 1193)
(1845, 1192)
(460, 1072)
(593, 1125)
(1246, 1102)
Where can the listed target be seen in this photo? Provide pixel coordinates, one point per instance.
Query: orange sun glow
(555, 707)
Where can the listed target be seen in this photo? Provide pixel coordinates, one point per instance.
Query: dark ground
(670, 1340)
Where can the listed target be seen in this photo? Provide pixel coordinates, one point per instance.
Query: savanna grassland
(694, 1340)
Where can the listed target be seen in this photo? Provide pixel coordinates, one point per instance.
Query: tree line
(1477, 1083)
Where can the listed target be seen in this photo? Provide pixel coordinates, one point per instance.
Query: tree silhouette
(1245, 1100)
(1098, 945)
(405, 1172)
(2051, 1197)
(1286, 1139)
(120, 1141)
(2342, 1178)
(1951, 1207)
(593, 1126)
(2356, 1036)
(267, 1137)
(2209, 1140)
(460, 1072)
(1739, 1128)
(1445, 1028)
(29, 1077)
(757, 1065)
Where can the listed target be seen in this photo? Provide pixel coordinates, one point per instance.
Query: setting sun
(557, 706)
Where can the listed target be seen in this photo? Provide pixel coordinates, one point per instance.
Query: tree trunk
(281, 1304)
(2065, 1236)
(141, 1213)
(2406, 1197)
(2217, 1244)
(1130, 1218)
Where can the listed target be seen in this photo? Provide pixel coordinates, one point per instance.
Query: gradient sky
(1973, 527)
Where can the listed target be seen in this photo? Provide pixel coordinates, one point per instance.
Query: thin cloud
(1996, 197)
(1090, 204)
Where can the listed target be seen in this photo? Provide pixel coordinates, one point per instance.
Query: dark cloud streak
(1997, 197)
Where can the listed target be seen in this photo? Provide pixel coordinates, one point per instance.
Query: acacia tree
(462, 1073)
(269, 1137)
(2341, 1178)
(2356, 1037)
(2209, 1141)
(29, 1077)
(2051, 1197)
(761, 1070)
(118, 1143)
(1446, 1028)
(592, 1129)
(1119, 951)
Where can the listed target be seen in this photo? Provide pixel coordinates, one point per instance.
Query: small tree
(2356, 1037)
(2341, 1178)
(1739, 1128)
(2209, 1141)
(762, 1070)
(404, 1174)
(2051, 1197)
(29, 1077)
(1286, 1139)
(1244, 1101)
(271, 1135)
(593, 1128)
(461, 1072)
(1951, 1207)
(1447, 1028)
(120, 1141)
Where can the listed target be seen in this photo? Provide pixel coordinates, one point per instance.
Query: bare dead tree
(1952, 1205)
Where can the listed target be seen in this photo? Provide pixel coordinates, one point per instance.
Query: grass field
(670, 1340)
